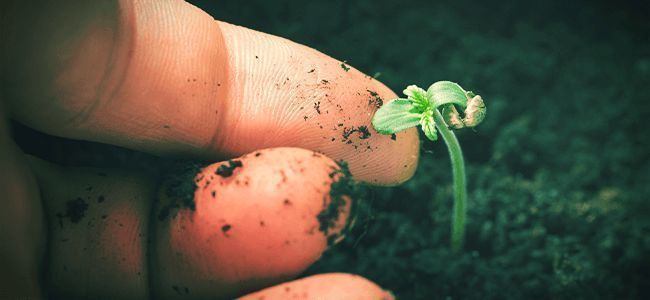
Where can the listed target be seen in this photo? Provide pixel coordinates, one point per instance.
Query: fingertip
(250, 222)
(286, 94)
(330, 286)
(396, 156)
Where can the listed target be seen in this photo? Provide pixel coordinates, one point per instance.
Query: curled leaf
(452, 117)
(447, 92)
(475, 112)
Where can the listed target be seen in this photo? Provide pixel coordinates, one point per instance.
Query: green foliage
(418, 108)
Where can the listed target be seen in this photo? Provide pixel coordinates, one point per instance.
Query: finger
(163, 77)
(331, 286)
(22, 232)
(243, 227)
(257, 221)
(98, 229)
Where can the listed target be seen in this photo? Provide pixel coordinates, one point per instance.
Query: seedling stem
(435, 110)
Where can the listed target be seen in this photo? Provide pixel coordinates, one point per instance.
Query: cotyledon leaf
(395, 116)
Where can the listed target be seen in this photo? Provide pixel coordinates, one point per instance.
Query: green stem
(460, 186)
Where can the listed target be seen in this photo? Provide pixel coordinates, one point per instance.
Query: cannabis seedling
(431, 109)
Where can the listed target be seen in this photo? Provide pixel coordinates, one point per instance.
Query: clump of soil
(179, 187)
(343, 185)
(344, 66)
(227, 169)
(225, 228)
(75, 210)
(363, 133)
(375, 100)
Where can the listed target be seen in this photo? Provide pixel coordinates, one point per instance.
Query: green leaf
(395, 116)
(418, 96)
(446, 92)
(429, 125)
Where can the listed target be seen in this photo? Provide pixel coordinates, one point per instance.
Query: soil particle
(344, 66)
(226, 170)
(75, 210)
(342, 186)
(311, 71)
(317, 107)
(225, 229)
(179, 187)
(375, 100)
(362, 130)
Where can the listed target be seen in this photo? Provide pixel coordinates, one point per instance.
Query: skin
(165, 78)
(324, 286)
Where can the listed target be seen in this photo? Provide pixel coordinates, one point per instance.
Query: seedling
(436, 110)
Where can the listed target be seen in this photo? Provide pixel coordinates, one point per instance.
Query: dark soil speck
(225, 229)
(344, 66)
(75, 210)
(375, 100)
(179, 187)
(342, 186)
(227, 169)
(362, 130)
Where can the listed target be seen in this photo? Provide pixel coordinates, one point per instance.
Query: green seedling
(436, 110)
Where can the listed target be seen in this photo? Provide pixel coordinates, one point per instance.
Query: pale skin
(165, 78)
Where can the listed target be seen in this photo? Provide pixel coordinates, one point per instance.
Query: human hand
(165, 78)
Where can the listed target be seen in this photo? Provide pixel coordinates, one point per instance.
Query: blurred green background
(559, 173)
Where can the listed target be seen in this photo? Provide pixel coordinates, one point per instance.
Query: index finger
(164, 77)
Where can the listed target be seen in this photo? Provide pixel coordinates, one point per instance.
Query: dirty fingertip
(249, 222)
